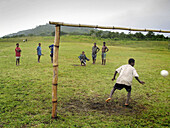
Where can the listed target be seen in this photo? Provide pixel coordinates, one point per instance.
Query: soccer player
(104, 50)
(39, 52)
(126, 74)
(83, 59)
(51, 55)
(95, 50)
(18, 53)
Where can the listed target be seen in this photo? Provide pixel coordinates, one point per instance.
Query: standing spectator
(39, 52)
(18, 54)
(51, 54)
(95, 49)
(104, 50)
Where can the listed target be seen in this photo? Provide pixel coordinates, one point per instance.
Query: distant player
(18, 54)
(95, 50)
(104, 50)
(83, 59)
(51, 55)
(39, 52)
(126, 74)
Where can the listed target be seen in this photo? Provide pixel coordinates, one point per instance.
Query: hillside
(49, 30)
(46, 30)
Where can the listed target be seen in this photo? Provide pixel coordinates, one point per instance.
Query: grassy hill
(25, 90)
(46, 30)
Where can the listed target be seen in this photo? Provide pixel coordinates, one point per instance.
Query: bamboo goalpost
(56, 51)
(55, 71)
(106, 27)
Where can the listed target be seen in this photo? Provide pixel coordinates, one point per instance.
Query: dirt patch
(114, 107)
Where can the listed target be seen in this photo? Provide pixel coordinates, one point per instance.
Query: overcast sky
(17, 15)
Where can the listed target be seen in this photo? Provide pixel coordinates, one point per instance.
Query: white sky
(17, 15)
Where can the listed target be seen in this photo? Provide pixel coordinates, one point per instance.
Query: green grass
(25, 90)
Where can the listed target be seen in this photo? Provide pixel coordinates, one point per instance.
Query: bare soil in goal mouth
(114, 107)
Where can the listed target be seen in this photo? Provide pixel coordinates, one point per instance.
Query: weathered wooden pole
(55, 71)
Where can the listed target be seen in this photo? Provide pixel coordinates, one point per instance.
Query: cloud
(17, 15)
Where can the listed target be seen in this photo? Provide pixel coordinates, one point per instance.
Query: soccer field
(26, 90)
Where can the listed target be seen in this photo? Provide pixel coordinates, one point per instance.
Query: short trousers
(94, 56)
(17, 57)
(103, 55)
(84, 62)
(51, 54)
(121, 86)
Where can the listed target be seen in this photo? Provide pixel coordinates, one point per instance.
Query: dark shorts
(51, 54)
(104, 56)
(94, 56)
(83, 62)
(121, 86)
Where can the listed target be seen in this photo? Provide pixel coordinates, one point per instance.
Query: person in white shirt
(126, 74)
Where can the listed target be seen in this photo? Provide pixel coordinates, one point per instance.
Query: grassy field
(25, 90)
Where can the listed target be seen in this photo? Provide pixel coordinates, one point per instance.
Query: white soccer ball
(164, 73)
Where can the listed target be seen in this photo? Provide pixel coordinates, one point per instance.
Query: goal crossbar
(106, 27)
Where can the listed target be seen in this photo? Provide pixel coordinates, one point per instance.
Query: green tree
(92, 32)
(99, 33)
(150, 35)
(139, 36)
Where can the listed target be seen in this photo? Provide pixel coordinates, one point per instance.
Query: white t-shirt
(126, 74)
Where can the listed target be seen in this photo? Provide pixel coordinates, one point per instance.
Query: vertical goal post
(55, 71)
(56, 52)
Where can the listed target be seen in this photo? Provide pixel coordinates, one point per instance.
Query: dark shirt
(51, 47)
(83, 57)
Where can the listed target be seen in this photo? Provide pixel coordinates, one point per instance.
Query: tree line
(130, 36)
(138, 36)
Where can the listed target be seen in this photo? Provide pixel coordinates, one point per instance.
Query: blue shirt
(51, 47)
(39, 50)
(83, 57)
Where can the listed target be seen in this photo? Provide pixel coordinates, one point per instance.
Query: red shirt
(18, 54)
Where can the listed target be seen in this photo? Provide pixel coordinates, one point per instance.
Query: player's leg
(128, 89)
(51, 55)
(127, 100)
(93, 58)
(51, 59)
(39, 58)
(116, 86)
(104, 58)
(18, 60)
(84, 63)
(111, 93)
(81, 61)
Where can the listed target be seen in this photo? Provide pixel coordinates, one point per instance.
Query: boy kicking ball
(126, 74)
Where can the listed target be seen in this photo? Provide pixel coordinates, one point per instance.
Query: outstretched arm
(86, 58)
(114, 77)
(141, 82)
